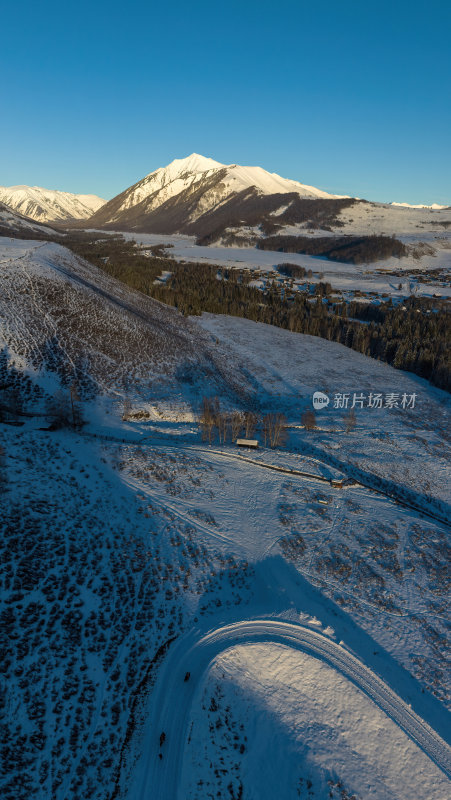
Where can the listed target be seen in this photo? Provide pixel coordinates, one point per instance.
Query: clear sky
(352, 96)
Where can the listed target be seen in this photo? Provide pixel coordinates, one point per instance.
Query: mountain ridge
(14, 224)
(220, 203)
(176, 198)
(49, 205)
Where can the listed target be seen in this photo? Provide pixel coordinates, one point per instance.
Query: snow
(402, 445)
(131, 533)
(347, 278)
(409, 205)
(19, 225)
(192, 163)
(386, 219)
(202, 185)
(86, 308)
(314, 700)
(239, 178)
(299, 721)
(167, 182)
(49, 205)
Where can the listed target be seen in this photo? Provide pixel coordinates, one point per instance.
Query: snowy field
(281, 723)
(409, 445)
(121, 540)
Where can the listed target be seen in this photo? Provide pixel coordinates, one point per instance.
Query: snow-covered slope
(301, 731)
(234, 204)
(59, 311)
(181, 173)
(240, 178)
(128, 544)
(49, 205)
(15, 224)
(166, 182)
(434, 206)
(190, 187)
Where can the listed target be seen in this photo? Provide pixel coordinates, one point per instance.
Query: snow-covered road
(172, 698)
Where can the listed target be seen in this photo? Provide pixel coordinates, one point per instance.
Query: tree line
(226, 426)
(413, 337)
(349, 249)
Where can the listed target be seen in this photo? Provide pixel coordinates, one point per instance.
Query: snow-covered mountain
(182, 173)
(177, 197)
(434, 206)
(237, 205)
(17, 225)
(49, 205)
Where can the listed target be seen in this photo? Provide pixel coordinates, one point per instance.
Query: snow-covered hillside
(239, 205)
(435, 206)
(17, 225)
(166, 182)
(49, 205)
(91, 319)
(298, 731)
(130, 546)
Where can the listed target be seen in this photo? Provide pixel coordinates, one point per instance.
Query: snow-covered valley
(133, 544)
(422, 275)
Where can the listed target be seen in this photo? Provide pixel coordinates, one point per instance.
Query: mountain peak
(193, 163)
(176, 197)
(196, 163)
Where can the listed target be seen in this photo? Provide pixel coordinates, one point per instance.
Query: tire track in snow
(166, 504)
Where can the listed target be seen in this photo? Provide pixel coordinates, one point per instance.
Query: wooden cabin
(247, 442)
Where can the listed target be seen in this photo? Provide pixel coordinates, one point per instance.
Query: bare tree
(274, 429)
(208, 417)
(350, 420)
(250, 423)
(222, 423)
(308, 419)
(280, 430)
(127, 408)
(236, 424)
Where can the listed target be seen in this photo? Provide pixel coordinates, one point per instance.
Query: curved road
(172, 697)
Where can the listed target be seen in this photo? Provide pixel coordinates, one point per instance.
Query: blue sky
(352, 96)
